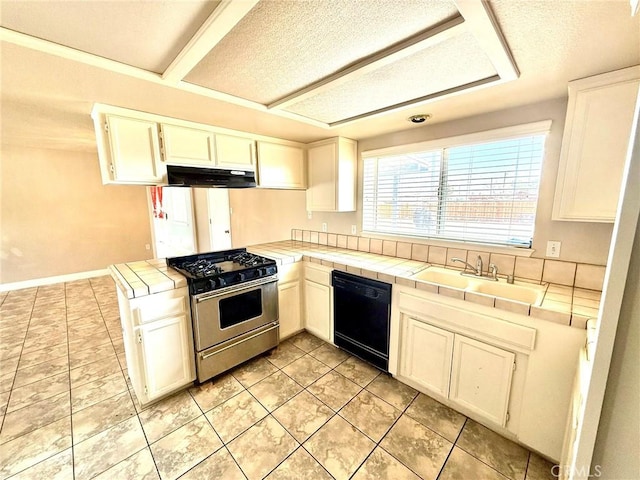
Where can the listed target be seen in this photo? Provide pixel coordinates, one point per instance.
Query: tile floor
(304, 411)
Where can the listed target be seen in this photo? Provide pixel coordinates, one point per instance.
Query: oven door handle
(235, 288)
(272, 326)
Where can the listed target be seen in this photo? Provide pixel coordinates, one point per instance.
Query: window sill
(482, 247)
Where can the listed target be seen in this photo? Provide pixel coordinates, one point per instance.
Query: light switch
(324, 226)
(553, 249)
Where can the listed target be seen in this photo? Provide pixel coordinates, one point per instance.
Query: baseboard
(38, 282)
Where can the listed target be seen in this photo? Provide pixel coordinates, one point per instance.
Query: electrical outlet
(324, 226)
(309, 215)
(353, 230)
(553, 249)
(147, 246)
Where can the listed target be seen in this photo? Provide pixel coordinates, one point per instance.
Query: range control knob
(221, 282)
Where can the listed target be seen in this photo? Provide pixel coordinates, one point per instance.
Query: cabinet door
(318, 309)
(187, 146)
(167, 354)
(323, 177)
(135, 150)
(289, 307)
(481, 378)
(235, 152)
(426, 356)
(281, 166)
(594, 151)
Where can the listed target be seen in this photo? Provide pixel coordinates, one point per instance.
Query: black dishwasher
(361, 315)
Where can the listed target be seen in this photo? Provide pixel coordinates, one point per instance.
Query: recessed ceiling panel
(449, 64)
(145, 34)
(282, 46)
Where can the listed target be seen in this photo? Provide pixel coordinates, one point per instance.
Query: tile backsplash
(580, 275)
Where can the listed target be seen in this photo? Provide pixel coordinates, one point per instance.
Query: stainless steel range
(234, 307)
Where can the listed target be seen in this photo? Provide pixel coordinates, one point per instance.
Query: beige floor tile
(102, 416)
(299, 466)
(94, 371)
(507, 457)
(462, 465)
(261, 448)
(438, 417)
(382, 465)
(34, 447)
(184, 448)
(417, 447)
(370, 414)
(540, 469)
(212, 393)
(392, 391)
(286, 353)
(339, 447)
(329, 355)
(139, 466)
(37, 391)
(35, 416)
(334, 390)
(253, 371)
(57, 467)
(303, 415)
(275, 390)
(108, 448)
(79, 358)
(307, 342)
(168, 415)
(219, 465)
(357, 371)
(306, 370)
(96, 391)
(37, 357)
(26, 376)
(234, 416)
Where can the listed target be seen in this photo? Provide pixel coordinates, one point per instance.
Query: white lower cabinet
(289, 300)
(473, 374)
(427, 355)
(318, 301)
(158, 343)
(481, 378)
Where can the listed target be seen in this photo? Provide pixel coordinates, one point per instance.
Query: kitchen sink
(443, 276)
(521, 292)
(531, 294)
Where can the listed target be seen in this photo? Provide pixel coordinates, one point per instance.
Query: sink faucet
(477, 270)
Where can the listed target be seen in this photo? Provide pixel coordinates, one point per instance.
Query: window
(482, 191)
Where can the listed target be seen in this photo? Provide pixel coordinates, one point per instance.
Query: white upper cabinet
(128, 150)
(332, 167)
(187, 146)
(594, 146)
(235, 152)
(281, 166)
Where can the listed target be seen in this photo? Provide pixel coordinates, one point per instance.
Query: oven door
(224, 314)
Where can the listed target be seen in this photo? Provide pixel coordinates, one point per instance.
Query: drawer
(160, 305)
(318, 275)
(289, 272)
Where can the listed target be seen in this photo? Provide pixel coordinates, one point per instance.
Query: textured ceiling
(46, 92)
(145, 34)
(449, 64)
(281, 45)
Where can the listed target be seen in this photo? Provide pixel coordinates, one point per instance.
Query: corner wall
(57, 218)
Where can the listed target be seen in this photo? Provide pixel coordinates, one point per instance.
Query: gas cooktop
(214, 270)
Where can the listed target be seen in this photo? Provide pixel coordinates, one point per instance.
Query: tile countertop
(561, 304)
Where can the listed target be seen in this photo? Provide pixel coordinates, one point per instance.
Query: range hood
(209, 177)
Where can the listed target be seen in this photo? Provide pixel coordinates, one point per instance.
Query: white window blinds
(482, 192)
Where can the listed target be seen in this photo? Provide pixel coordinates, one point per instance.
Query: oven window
(241, 307)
